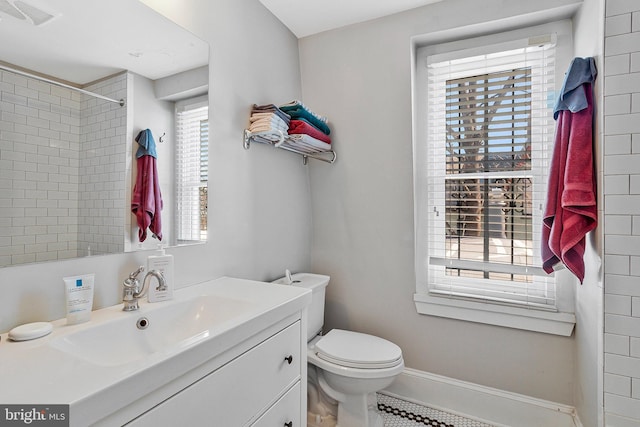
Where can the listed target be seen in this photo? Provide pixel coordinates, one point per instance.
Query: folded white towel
(307, 143)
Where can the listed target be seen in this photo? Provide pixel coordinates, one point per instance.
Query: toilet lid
(356, 350)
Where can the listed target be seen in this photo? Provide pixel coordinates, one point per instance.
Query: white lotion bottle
(163, 263)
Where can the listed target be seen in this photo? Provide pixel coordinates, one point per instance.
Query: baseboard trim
(490, 405)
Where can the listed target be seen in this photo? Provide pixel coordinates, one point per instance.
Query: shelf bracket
(246, 142)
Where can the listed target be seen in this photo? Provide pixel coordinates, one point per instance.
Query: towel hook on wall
(163, 135)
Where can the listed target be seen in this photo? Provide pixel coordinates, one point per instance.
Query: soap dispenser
(162, 262)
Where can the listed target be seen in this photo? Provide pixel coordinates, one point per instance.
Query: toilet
(345, 368)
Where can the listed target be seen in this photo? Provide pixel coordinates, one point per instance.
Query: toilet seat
(357, 350)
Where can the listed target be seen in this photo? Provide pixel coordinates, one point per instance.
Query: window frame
(560, 321)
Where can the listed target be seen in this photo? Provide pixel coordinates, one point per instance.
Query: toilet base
(317, 420)
(359, 411)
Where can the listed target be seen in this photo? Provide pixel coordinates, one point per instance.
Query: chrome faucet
(132, 292)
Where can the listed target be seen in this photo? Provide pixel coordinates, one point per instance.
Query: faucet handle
(131, 284)
(135, 273)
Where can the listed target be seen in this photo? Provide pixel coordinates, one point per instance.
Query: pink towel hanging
(571, 210)
(146, 200)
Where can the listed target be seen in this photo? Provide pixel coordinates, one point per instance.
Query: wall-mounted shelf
(291, 143)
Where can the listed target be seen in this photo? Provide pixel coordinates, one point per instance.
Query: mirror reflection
(68, 161)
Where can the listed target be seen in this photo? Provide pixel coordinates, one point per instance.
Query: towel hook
(163, 135)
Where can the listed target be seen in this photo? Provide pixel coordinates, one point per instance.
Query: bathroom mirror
(67, 163)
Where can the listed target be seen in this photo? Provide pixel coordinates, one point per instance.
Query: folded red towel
(571, 210)
(302, 127)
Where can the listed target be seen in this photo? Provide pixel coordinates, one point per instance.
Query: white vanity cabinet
(283, 412)
(225, 352)
(261, 387)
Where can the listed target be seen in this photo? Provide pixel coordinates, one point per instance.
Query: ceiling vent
(26, 12)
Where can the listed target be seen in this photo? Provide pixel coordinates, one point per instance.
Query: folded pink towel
(571, 210)
(302, 127)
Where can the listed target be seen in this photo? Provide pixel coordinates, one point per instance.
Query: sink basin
(154, 329)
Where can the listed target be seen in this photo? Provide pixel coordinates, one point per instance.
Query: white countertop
(37, 372)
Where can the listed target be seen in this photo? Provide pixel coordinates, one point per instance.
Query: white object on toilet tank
(318, 284)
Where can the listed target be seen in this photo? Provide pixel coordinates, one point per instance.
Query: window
(192, 163)
(481, 174)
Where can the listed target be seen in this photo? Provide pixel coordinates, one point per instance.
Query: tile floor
(400, 413)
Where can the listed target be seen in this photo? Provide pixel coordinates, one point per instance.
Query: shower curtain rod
(53, 82)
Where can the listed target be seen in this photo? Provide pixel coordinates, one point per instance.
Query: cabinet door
(239, 392)
(285, 413)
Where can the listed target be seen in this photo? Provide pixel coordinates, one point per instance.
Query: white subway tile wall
(102, 169)
(622, 213)
(44, 164)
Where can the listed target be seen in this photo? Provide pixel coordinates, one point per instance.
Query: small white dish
(30, 331)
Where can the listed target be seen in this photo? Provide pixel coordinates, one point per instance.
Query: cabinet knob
(289, 424)
(289, 360)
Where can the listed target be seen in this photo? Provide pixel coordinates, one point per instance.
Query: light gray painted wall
(259, 199)
(360, 76)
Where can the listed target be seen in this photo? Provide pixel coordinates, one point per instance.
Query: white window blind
(490, 132)
(192, 162)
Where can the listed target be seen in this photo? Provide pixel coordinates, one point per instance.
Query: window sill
(495, 314)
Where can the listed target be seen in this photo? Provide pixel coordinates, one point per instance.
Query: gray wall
(360, 76)
(259, 199)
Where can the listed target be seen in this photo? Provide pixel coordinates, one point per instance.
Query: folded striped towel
(270, 117)
(267, 122)
(271, 108)
(266, 128)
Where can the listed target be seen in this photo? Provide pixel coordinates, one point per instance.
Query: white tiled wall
(39, 140)
(622, 213)
(42, 169)
(102, 168)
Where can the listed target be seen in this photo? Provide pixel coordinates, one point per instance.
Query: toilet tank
(315, 313)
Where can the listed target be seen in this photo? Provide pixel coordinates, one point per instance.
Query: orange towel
(571, 210)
